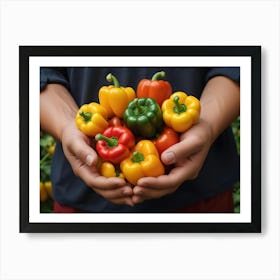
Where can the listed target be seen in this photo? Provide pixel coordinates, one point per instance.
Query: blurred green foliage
(47, 144)
(236, 132)
(236, 194)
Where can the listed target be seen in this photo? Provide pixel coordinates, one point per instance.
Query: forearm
(220, 104)
(57, 109)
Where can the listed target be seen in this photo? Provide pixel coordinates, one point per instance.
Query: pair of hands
(187, 157)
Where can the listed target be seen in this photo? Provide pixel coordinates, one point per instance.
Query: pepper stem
(179, 107)
(158, 75)
(137, 157)
(86, 116)
(110, 141)
(138, 107)
(111, 78)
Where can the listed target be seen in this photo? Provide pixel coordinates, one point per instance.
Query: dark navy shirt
(219, 172)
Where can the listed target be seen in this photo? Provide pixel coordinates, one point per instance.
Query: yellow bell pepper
(48, 186)
(43, 192)
(181, 111)
(143, 162)
(108, 170)
(114, 97)
(91, 119)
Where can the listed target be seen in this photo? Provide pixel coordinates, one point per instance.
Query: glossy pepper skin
(115, 121)
(114, 97)
(91, 119)
(157, 89)
(143, 117)
(166, 139)
(114, 144)
(143, 162)
(181, 111)
(107, 169)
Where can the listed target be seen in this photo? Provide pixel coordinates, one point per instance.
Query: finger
(149, 193)
(93, 179)
(143, 193)
(83, 151)
(137, 199)
(156, 187)
(179, 151)
(120, 193)
(182, 150)
(161, 182)
(113, 189)
(154, 192)
(174, 179)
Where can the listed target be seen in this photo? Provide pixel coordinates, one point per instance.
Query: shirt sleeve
(232, 73)
(54, 75)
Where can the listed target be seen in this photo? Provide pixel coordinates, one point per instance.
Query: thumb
(179, 151)
(83, 151)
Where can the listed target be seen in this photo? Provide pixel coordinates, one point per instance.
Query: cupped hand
(187, 156)
(78, 149)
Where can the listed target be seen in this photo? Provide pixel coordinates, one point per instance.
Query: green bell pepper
(143, 117)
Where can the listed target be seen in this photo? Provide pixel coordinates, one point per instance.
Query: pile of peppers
(131, 129)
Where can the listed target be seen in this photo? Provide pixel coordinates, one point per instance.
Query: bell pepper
(107, 169)
(166, 139)
(143, 162)
(114, 97)
(48, 186)
(181, 111)
(115, 121)
(43, 192)
(114, 144)
(143, 117)
(154, 88)
(91, 119)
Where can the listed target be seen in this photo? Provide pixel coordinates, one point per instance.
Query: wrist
(220, 102)
(57, 110)
(208, 129)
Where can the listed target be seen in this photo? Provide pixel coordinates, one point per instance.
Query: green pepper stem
(86, 116)
(158, 75)
(111, 78)
(110, 141)
(138, 107)
(179, 107)
(137, 157)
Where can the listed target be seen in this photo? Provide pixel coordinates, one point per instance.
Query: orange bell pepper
(157, 89)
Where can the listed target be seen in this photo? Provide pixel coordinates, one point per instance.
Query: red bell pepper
(115, 121)
(154, 88)
(166, 139)
(114, 144)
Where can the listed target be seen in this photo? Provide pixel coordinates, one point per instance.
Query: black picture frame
(254, 52)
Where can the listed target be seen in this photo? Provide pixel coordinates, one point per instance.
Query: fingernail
(89, 160)
(138, 192)
(126, 192)
(168, 158)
